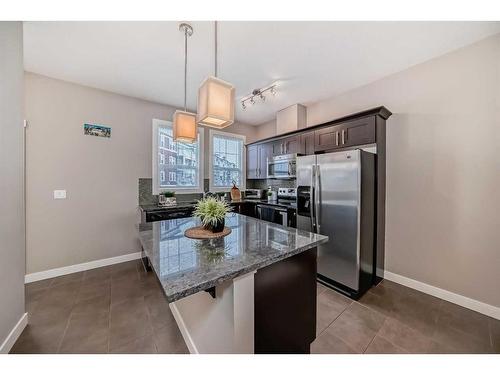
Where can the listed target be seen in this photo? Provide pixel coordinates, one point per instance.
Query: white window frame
(243, 138)
(200, 157)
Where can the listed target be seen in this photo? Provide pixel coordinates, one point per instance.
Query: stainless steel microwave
(282, 166)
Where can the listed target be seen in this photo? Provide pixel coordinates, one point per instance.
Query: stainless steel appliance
(273, 214)
(282, 211)
(282, 166)
(254, 193)
(336, 197)
(287, 193)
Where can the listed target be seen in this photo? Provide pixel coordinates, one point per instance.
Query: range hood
(291, 118)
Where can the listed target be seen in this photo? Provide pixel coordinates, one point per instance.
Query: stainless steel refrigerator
(336, 197)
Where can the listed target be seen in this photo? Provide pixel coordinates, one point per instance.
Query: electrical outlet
(59, 194)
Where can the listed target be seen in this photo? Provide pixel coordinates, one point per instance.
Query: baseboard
(31, 277)
(184, 331)
(14, 334)
(457, 299)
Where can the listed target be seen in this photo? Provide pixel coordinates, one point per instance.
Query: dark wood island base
(285, 305)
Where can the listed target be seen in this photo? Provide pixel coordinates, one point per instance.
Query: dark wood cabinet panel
(357, 132)
(283, 146)
(292, 144)
(351, 133)
(276, 148)
(326, 138)
(285, 305)
(264, 153)
(257, 161)
(252, 161)
(306, 144)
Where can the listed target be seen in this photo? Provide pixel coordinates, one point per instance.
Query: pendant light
(185, 127)
(215, 99)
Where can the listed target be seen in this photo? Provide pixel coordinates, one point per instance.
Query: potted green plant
(212, 213)
(167, 198)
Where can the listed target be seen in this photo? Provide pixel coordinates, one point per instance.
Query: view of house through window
(227, 160)
(177, 162)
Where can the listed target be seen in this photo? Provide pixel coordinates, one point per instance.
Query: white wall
(443, 167)
(12, 249)
(98, 218)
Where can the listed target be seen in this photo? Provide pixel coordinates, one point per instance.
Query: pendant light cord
(185, 67)
(215, 37)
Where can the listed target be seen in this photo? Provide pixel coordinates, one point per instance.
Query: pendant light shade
(215, 98)
(184, 126)
(216, 103)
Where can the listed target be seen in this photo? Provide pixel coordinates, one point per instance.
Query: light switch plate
(59, 194)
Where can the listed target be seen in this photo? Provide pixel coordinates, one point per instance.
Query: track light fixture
(258, 93)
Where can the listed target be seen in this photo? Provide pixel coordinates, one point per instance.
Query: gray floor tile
(320, 288)
(330, 305)
(168, 340)
(405, 337)
(71, 278)
(379, 345)
(357, 326)
(87, 333)
(495, 334)
(144, 345)
(159, 311)
(464, 320)
(327, 343)
(129, 321)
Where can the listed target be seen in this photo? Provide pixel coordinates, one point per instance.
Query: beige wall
(268, 129)
(12, 249)
(98, 218)
(443, 168)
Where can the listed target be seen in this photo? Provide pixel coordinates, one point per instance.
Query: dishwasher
(273, 214)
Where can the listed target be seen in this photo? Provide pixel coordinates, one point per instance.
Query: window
(177, 166)
(227, 161)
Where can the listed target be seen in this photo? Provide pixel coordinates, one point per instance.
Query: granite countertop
(154, 207)
(185, 266)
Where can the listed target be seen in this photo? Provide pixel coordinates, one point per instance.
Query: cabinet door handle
(336, 138)
(343, 136)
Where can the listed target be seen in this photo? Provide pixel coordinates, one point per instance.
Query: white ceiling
(309, 60)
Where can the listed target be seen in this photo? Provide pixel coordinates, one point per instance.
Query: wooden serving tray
(200, 233)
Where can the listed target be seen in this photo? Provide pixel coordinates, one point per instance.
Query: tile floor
(121, 309)
(391, 318)
(115, 309)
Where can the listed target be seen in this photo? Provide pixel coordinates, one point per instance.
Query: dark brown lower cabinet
(285, 305)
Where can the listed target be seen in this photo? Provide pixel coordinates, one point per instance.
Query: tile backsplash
(275, 183)
(146, 196)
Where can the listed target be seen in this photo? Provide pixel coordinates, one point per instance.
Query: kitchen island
(253, 291)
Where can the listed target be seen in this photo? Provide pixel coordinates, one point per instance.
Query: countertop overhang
(186, 266)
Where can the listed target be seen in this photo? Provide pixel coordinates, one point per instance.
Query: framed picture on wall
(97, 130)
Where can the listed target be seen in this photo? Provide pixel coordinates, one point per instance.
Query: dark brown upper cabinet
(252, 161)
(292, 144)
(326, 138)
(358, 132)
(307, 143)
(350, 133)
(257, 160)
(288, 145)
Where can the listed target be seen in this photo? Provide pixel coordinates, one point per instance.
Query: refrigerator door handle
(311, 200)
(317, 199)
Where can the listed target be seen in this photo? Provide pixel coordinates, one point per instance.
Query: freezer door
(338, 203)
(304, 169)
(305, 187)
